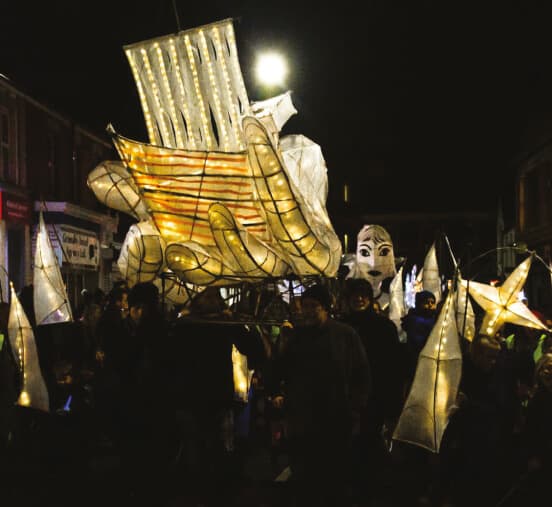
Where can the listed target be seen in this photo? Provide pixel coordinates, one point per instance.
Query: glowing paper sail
(501, 304)
(191, 88)
(397, 308)
(51, 304)
(426, 411)
(33, 389)
(431, 280)
(465, 317)
(242, 375)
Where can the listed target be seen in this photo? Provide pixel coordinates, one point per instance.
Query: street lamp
(271, 69)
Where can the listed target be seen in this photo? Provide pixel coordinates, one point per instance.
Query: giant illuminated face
(375, 259)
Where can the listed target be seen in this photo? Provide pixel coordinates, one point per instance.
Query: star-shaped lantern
(501, 304)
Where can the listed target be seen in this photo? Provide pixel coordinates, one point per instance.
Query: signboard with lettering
(15, 209)
(81, 247)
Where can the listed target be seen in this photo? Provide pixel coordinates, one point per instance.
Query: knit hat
(423, 296)
(319, 293)
(359, 286)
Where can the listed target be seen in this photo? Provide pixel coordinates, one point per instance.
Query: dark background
(418, 105)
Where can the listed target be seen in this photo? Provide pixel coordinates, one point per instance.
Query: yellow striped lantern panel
(33, 388)
(433, 393)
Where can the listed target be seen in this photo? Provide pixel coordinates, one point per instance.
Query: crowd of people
(330, 376)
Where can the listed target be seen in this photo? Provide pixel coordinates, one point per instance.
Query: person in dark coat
(325, 381)
(478, 445)
(385, 357)
(201, 345)
(417, 324)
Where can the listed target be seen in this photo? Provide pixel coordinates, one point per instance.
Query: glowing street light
(271, 69)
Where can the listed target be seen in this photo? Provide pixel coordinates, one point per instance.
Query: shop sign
(72, 245)
(15, 209)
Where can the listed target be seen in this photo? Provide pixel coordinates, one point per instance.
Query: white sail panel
(33, 389)
(51, 304)
(191, 88)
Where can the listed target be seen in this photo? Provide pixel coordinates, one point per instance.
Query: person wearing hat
(417, 324)
(324, 380)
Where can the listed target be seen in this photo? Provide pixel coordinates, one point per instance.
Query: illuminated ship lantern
(33, 389)
(431, 280)
(230, 200)
(375, 260)
(501, 304)
(51, 304)
(425, 415)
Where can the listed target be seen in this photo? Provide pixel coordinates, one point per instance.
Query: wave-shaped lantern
(230, 200)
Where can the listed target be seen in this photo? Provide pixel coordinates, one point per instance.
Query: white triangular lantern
(51, 304)
(426, 412)
(33, 389)
(431, 280)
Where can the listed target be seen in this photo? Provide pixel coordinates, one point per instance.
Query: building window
(531, 199)
(4, 144)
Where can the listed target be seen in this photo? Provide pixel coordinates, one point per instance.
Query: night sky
(408, 94)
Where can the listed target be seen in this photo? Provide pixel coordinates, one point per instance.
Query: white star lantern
(501, 304)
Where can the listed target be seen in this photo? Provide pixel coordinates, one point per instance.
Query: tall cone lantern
(51, 304)
(431, 280)
(33, 389)
(425, 415)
